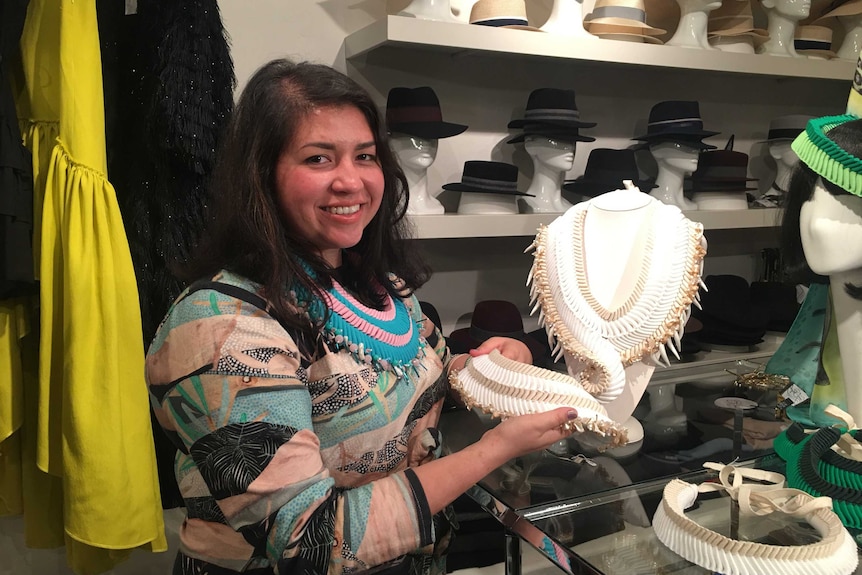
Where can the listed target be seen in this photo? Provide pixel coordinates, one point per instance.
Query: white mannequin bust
(851, 46)
(430, 10)
(785, 160)
(742, 44)
(415, 155)
(691, 32)
(552, 158)
(675, 161)
(783, 17)
(831, 231)
(567, 19)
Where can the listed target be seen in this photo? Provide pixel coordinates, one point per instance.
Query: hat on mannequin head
(676, 121)
(416, 112)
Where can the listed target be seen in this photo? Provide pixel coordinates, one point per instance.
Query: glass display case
(591, 512)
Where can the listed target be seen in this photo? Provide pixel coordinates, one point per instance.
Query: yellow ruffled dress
(90, 413)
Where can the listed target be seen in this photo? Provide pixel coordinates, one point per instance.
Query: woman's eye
(315, 159)
(367, 157)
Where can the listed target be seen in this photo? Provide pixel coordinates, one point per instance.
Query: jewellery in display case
(504, 388)
(644, 327)
(834, 554)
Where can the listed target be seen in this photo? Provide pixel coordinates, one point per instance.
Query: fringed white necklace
(834, 554)
(601, 341)
(504, 388)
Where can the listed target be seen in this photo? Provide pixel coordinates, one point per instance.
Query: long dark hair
(848, 136)
(248, 234)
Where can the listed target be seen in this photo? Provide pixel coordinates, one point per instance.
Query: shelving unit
(471, 226)
(457, 38)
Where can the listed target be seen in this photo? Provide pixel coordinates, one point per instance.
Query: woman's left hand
(508, 347)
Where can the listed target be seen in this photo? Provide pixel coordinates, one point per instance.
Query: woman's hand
(508, 347)
(524, 434)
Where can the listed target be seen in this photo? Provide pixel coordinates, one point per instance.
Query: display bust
(567, 18)
(552, 158)
(429, 10)
(675, 161)
(691, 32)
(415, 123)
(782, 17)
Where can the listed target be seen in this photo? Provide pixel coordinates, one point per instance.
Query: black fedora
(676, 120)
(553, 108)
(720, 171)
(606, 169)
(489, 178)
(494, 318)
(416, 112)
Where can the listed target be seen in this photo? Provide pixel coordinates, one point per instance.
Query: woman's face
(328, 180)
(831, 231)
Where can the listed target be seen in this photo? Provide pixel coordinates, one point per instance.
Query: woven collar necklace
(833, 554)
(387, 339)
(602, 342)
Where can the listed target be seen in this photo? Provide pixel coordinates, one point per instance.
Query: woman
(300, 379)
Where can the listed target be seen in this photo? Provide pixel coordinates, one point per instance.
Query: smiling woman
(297, 375)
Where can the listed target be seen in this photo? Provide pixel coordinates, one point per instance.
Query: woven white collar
(834, 554)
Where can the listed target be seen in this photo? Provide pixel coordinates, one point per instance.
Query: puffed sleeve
(228, 385)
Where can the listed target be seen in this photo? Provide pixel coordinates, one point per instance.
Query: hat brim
(509, 26)
(828, 54)
(757, 35)
(557, 125)
(693, 142)
(461, 187)
(626, 23)
(688, 137)
(848, 9)
(613, 35)
(428, 130)
(568, 137)
(722, 180)
(594, 188)
(720, 190)
(460, 341)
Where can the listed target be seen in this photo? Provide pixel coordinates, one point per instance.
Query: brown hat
(734, 18)
(493, 318)
(501, 14)
(612, 30)
(840, 8)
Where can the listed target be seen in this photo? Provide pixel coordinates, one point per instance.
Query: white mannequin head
(413, 152)
(552, 152)
(790, 9)
(782, 153)
(830, 227)
(676, 155)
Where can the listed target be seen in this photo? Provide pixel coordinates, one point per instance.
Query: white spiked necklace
(602, 342)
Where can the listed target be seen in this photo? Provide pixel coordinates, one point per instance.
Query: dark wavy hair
(848, 136)
(247, 232)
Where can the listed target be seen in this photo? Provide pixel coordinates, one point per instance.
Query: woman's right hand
(517, 436)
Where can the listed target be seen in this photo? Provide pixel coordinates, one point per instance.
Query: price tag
(794, 394)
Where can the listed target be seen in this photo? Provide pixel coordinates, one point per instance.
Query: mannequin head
(821, 232)
(676, 155)
(790, 9)
(413, 152)
(782, 153)
(552, 152)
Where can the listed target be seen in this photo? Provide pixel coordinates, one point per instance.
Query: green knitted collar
(825, 157)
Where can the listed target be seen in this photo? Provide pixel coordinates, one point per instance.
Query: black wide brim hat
(687, 139)
(462, 187)
(556, 124)
(725, 186)
(593, 188)
(427, 130)
(570, 135)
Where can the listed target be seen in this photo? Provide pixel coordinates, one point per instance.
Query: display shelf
(458, 38)
(471, 226)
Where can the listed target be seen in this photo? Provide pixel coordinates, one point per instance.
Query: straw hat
(623, 13)
(811, 40)
(501, 14)
(734, 18)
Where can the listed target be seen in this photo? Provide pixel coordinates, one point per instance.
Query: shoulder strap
(231, 290)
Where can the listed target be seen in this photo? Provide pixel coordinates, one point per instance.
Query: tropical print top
(293, 462)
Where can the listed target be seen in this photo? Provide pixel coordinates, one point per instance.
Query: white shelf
(402, 31)
(470, 226)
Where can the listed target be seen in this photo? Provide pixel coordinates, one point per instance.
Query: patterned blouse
(291, 465)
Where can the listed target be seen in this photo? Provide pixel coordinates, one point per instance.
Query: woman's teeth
(342, 210)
